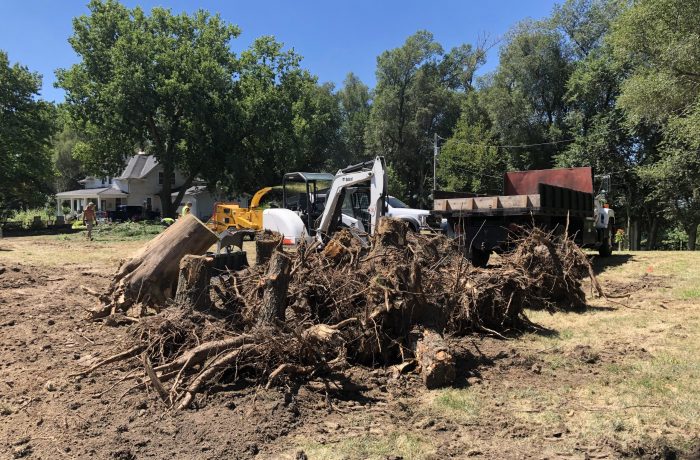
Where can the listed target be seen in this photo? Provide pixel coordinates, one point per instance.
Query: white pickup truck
(356, 203)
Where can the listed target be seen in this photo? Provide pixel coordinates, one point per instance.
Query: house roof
(138, 166)
(92, 192)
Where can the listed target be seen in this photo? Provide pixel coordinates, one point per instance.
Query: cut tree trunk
(265, 244)
(435, 363)
(193, 282)
(276, 282)
(150, 275)
(390, 232)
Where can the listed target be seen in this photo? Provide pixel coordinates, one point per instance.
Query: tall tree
(68, 168)
(658, 41)
(354, 99)
(25, 131)
(468, 160)
(418, 93)
(163, 82)
(286, 120)
(525, 97)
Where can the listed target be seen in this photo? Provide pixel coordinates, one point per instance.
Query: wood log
(150, 275)
(194, 281)
(436, 364)
(265, 244)
(276, 282)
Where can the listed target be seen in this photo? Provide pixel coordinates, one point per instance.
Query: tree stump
(276, 282)
(390, 232)
(265, 244)
(150, 275)
(435, 363)
(193, 282)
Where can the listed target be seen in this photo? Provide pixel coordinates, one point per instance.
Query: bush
(27, 217)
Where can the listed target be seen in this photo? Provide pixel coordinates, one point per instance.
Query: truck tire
(478, 257)
(606, 246)
(412, 226)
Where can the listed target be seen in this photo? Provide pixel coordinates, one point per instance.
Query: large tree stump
(193, 282)
(390, 232)
(150, 275)
(265, 244)
(436, 364)
(276, 282)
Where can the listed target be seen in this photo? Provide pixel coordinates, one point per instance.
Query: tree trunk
(276, 282)
(435, 363)
(193, 282)
(390, 232)
(692, 236)
(150, 275)
(265, 244)
(653, 231)
(634, 235)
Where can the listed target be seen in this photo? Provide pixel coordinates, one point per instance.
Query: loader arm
(373, 172)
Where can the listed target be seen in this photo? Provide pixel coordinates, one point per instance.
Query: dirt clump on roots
(316, 313)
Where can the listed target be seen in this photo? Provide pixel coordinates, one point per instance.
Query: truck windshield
(395, 202)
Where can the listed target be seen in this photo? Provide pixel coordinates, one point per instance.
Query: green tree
(162, 82)
(418, 93)
(525, 97)
(68, 168)
(468, 161)
(657, 40)
(355, 103)
(25, 131)
(287, 121)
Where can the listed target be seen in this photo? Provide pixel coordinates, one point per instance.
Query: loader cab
(305, 194)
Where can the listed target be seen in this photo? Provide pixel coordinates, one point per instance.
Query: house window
(117, 201)
(148, 204)
(161, 177)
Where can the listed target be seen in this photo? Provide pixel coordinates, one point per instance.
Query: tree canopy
(160, 82)
(26, 127)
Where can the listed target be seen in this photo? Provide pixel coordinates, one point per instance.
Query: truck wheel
(606, 248)
(412, 226)
(478, 257)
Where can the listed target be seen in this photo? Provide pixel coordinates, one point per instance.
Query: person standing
(186, 209)
(89, 218)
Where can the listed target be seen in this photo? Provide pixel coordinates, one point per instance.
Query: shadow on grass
(600, 264)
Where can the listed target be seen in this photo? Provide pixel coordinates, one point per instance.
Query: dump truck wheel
(606, 248)
(479, 258)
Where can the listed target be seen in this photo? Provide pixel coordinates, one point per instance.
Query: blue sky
(333, 37)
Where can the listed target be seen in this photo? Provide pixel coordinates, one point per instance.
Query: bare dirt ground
(620, 380)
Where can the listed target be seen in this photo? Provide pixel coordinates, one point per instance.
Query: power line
(458, 141)
(522, 146)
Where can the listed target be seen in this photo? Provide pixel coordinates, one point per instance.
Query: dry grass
(57, 250)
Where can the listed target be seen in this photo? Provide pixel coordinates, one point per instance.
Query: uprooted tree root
(316, 312)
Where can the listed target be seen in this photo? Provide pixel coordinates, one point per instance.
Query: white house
(139, 184)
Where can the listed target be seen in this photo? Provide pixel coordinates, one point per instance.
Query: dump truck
(557, 200)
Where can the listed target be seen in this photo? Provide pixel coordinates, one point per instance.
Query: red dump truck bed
(527, 182)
